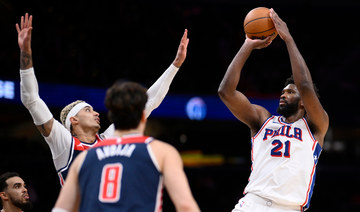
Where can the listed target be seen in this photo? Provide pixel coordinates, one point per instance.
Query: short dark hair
(126, 102)
(3, 178)
(290, 80)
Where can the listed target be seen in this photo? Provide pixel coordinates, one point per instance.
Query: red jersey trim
(125, 140)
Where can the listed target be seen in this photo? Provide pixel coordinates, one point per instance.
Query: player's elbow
(28, 100)
(223, 93)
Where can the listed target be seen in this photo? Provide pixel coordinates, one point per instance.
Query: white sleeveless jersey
(284, 157)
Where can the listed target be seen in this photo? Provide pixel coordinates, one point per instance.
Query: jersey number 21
(276, 151)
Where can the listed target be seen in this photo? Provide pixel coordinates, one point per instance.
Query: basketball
(258, 24)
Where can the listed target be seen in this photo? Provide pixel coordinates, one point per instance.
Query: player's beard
(287, 109)
(23, 205)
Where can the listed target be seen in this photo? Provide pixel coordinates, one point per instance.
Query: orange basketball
(258, 24)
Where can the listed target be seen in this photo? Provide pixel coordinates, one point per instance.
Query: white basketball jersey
(284, 157)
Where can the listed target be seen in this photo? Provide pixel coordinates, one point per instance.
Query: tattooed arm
(40, 113)
(24, 41)
(25, 60)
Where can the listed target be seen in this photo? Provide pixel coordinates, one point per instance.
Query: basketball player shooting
(285, 148)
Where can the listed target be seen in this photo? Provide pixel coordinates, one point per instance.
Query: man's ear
(301, 104)
(3, 195)
(73, 120)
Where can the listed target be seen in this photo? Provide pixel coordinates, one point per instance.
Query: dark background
(93, 43)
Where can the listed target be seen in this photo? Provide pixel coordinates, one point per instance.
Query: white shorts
(254, 203)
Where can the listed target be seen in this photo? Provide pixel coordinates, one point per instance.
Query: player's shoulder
(163, 148)
(165, 153)
(156, 143)
(262, 115)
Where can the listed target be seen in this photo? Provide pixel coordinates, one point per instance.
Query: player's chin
(97, 126)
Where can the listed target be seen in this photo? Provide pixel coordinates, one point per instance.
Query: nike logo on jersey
(286, 131)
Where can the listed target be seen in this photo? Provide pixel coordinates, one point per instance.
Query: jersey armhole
(263, 125)
(153, 158)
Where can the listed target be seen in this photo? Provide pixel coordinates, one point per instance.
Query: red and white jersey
(284, 157)
(64, 147)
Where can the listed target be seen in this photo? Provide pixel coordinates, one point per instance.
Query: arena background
(93, 43)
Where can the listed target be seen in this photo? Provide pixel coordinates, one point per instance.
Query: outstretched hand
(280, 25)
(24, 32)
(182, 50)
(258, 43)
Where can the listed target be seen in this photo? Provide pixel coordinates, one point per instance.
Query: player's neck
(139, 131)
(85, 135)
(86, 138)
(122, 133)
(299, 114)
(292, 118)
(127, 133)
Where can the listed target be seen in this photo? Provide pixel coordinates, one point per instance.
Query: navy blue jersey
(121, 174)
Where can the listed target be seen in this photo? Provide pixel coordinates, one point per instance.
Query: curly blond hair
(65, 111)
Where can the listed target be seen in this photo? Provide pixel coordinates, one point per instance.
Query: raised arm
(159, 89)
(29, 93)
(250, 114)
(315, 113)
(24, 41)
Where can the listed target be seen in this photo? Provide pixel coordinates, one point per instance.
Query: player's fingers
(26, 23)
(273, 12)
(30, 21)
(184, 37)
(274, 16)
(22, 22)
(17, 28)
(268, 39)
(277, 19)
(183, 46)
(268, 43)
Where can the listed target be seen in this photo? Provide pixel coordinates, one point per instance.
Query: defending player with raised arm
(126, 172)
(80, 123)
(285, 149)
